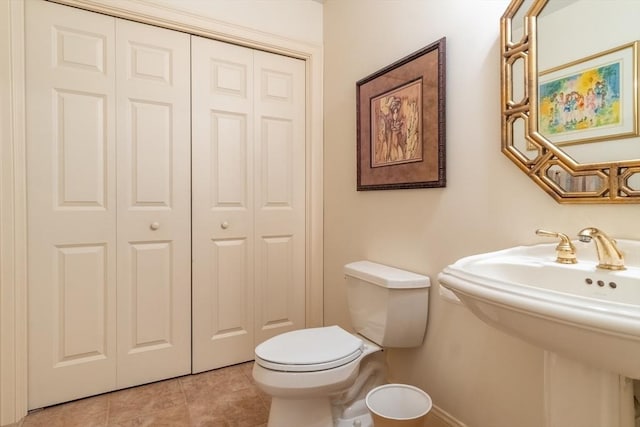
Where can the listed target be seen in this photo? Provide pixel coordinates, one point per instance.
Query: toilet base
(314, 412)
(311, 413)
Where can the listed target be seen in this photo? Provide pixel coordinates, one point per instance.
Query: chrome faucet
(609, 255)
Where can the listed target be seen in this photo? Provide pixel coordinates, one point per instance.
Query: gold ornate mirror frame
(566, 180)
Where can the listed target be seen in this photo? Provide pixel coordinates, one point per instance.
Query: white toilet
(319, 377)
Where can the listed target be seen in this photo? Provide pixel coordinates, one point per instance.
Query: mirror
(570, 97)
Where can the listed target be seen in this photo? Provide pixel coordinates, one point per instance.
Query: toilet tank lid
(385, 276)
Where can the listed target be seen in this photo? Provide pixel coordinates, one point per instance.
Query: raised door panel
(80, 150)
(80, 288)
(280, 194)
(154, 271)
(222, 206)
(71, 203)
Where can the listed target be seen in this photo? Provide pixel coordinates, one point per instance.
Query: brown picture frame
(401, 123)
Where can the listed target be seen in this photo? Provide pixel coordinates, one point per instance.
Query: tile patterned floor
(220, 398)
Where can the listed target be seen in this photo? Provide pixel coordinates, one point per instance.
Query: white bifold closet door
(248, 208)
(153, 124)
(108, 185)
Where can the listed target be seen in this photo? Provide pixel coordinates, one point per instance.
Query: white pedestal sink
(576, 394)
(586, 319)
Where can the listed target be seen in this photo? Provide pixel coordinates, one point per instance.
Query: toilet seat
(309, 350)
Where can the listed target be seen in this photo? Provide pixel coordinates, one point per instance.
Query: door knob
(224, 225)
(154, 225)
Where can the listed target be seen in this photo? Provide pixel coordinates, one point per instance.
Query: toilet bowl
(319, 377)
(302, 383)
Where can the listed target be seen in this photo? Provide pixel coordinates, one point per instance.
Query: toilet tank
(387, 305)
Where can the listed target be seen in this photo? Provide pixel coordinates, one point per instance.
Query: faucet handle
(566, 252)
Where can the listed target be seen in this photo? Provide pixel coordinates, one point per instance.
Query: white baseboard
(444, 418)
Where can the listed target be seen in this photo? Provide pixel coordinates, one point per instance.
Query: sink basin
(575, 310)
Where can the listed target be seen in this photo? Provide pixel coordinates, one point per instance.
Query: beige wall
(481, 376)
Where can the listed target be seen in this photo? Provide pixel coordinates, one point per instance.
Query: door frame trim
(13, 227)
(13, 217)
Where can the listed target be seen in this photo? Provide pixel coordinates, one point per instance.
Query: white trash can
(398, 405)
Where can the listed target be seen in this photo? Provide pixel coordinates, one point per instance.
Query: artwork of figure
(396, 126)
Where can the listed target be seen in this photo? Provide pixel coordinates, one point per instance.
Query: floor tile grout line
(106, 422)
(186, 400)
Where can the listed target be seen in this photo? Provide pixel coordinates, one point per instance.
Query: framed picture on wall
(592, 99)
(401, 123)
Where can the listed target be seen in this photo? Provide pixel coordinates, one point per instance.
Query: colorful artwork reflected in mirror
(593, 99)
